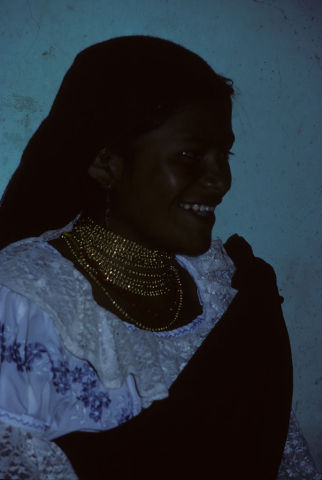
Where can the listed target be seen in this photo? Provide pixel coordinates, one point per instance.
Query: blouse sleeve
(46, 392)
(25, 366)
(25, 452)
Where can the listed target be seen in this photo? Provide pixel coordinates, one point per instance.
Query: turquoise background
(272, 51)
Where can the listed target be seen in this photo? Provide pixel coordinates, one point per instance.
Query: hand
(253, 274)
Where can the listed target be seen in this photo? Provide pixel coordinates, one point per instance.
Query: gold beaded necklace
(125, 266)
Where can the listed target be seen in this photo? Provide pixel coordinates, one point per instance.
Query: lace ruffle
(297, 463)
(25, 456)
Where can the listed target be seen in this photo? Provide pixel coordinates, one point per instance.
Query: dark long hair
(114, 92)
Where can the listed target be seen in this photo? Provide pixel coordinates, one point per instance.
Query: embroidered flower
(13, 355)
(125, 416)
(33, 351)
(77, 375)
(89, 385)
(83, 377)
(62, 369)
(98, 402)
(88, 391)
(62, 383)
(88, 370)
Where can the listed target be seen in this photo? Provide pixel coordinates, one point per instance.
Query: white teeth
(197, 208)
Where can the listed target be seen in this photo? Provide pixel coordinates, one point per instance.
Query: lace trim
(297, 463)
(178, 332)
(25, 456)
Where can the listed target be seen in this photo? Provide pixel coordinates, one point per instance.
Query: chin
(196, 248)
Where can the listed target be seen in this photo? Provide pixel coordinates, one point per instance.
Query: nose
(215, 173)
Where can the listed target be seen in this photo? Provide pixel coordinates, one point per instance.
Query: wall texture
(272, 50)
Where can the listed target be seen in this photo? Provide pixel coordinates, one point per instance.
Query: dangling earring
(107, 206)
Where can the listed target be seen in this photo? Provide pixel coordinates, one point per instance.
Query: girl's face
(176, 173)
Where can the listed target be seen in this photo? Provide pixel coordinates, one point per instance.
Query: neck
(95, 223)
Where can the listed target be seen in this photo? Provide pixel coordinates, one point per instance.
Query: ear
(107, 168)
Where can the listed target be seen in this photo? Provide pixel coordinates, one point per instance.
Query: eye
(226, 155)
(194, 155)
(198, 155)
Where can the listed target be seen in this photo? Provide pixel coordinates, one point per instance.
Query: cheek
(174, 179)
(158, 186)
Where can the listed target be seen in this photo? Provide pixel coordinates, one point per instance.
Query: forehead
(207, 121)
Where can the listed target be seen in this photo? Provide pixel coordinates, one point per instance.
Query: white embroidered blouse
(68, 364)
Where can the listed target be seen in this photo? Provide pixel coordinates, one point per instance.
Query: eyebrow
(227, 141)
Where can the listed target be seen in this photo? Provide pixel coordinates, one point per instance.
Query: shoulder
(33, 255)
(35, 270)
(29, 257)
(28, 341)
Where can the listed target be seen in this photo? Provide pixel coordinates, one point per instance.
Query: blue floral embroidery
(125, 416)
(77, 375)
(85, 375)
(33, 351)
(62, 368)
(98, 402)
(62, 384)
(63, 375)
(12, 353)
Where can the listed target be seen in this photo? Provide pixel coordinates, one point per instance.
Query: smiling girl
(134, 346)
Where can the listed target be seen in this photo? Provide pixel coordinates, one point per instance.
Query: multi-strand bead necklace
(125, 266)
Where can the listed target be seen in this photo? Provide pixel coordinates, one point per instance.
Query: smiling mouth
(198, 209)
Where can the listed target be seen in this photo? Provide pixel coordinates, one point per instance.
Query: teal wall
(272, 50)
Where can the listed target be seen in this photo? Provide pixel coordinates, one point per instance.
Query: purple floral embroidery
(63, 375)
(13, 355)
(62, 369)
(33, 351)
(98, 402)
(86, 376)
(89, 385)
(77, 375)
(63, 384)
(125, 416)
